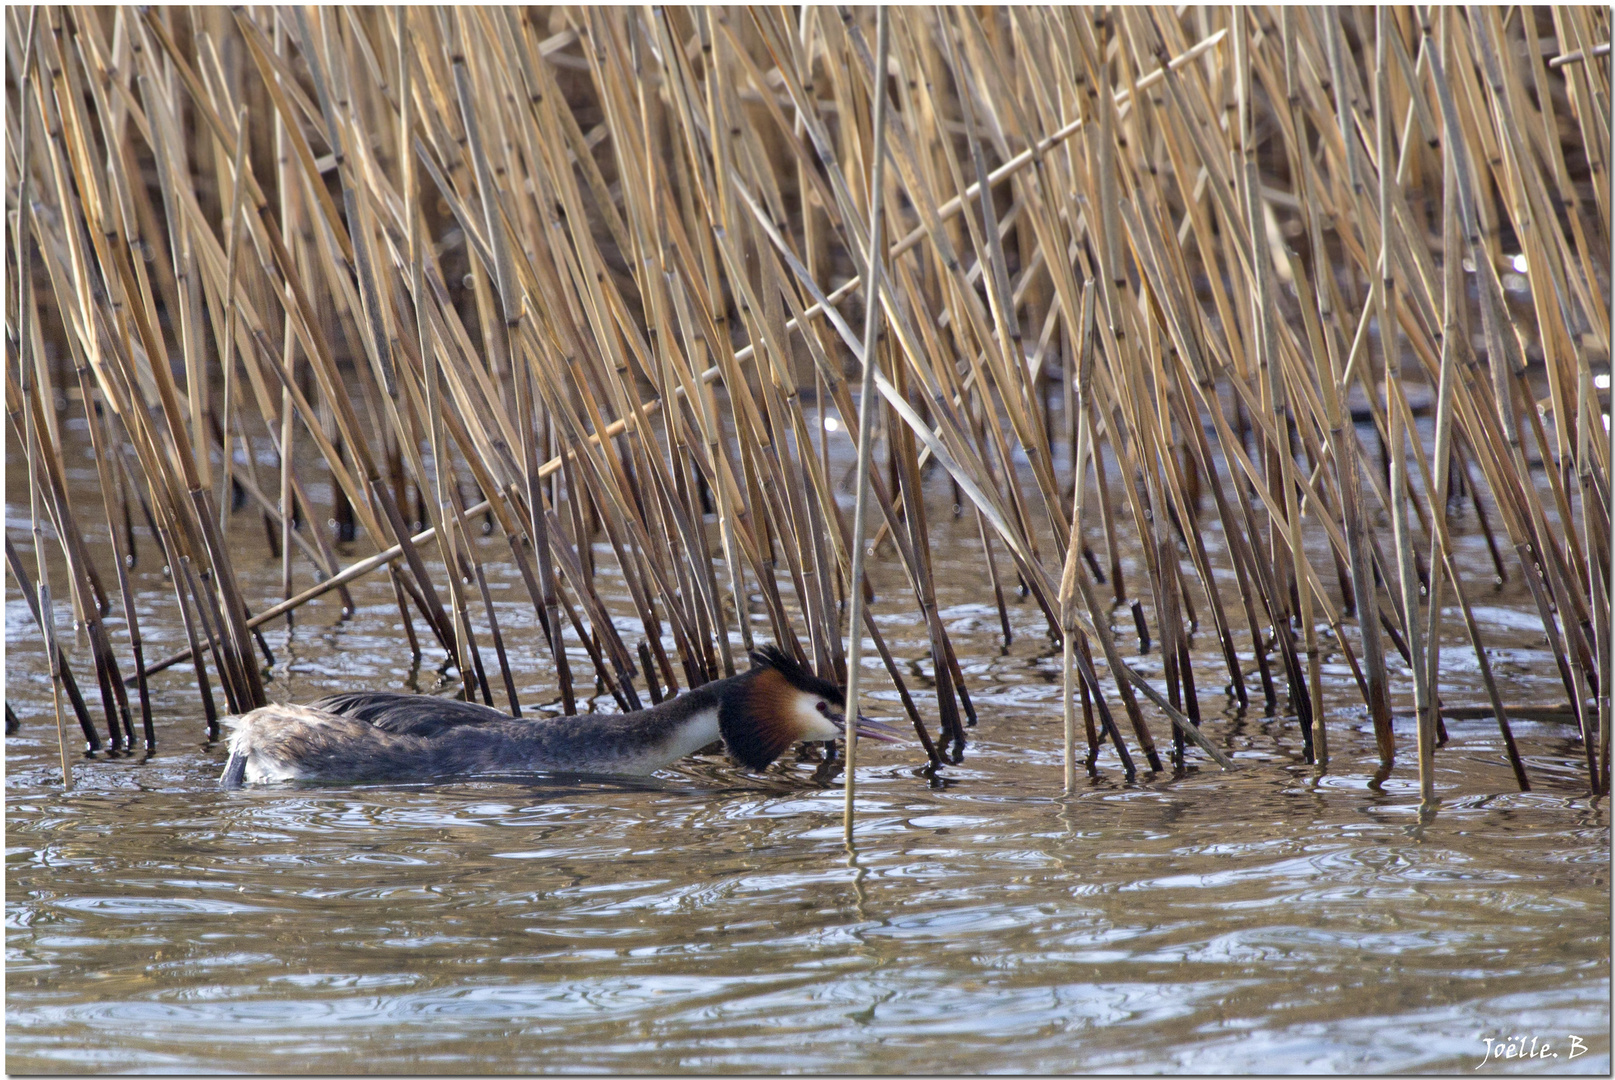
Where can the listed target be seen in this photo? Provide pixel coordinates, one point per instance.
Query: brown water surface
(1277, 919)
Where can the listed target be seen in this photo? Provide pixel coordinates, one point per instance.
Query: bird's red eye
(824, 708)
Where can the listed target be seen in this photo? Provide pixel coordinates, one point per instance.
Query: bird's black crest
(772, 656)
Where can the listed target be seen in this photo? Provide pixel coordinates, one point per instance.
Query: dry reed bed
(602, 267)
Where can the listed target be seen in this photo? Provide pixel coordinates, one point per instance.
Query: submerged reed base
(1335, 279)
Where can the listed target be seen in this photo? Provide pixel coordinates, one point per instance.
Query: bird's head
(780, 702)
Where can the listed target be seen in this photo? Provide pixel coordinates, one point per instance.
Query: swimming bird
(373, 736)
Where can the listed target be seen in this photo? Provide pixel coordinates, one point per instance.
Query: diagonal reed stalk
(590, 275)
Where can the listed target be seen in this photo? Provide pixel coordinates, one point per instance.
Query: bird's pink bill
(877, 731)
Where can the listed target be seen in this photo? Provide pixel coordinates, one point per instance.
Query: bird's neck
(637, 742)
(690, 722)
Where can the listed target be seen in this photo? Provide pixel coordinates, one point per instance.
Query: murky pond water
(1275, 919)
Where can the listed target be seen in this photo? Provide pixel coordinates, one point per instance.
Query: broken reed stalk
(1068, 647)
(588, 264)
(1080, 447)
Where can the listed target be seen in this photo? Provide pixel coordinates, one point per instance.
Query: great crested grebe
(371, 737)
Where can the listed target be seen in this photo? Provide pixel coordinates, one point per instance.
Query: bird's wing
(421, 715)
